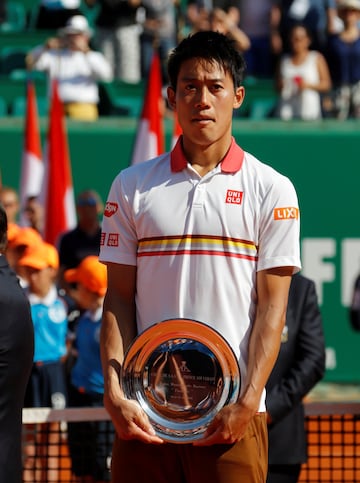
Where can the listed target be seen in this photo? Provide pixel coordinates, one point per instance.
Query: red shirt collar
(231, 163)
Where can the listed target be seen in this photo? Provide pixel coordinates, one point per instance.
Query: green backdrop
(322, 160)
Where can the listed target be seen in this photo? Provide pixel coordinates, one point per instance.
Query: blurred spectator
(88, 441)
(84, 239)
(9, 198)
(222, 22)
(34, 213)
(159, 31)
(198, 12)
(53, 14)
(344, 60)
(69, 59)
(255, 21)
(47, 385)
(21, 239)
(118, 36)
(299, 366)
(319, 17)
(302, 76)
(16, 356)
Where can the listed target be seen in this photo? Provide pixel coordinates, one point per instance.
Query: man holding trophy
(200, 245)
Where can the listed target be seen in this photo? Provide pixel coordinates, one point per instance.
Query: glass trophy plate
(182, 372)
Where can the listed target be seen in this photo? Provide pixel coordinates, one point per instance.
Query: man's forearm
(264, 344)
(118, 330)
(264, 347)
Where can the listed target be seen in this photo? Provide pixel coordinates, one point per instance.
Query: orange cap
(40, 256)
(25, 236)
(12, 231)
(90, 273)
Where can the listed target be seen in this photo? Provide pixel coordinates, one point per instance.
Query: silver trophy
(182, 372)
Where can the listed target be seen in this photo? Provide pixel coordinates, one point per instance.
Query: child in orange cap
(88, 442)
(20, 239)
(47, 385)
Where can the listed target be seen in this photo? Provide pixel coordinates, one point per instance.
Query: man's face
(204, 101)
(88, 208)
(40, 281)
(10, 203)
(33, 212)
(77, 41)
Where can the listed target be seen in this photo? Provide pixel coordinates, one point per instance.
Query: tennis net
(52, 437)
(66, 446)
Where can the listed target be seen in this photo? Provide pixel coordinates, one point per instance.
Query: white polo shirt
(198, 241)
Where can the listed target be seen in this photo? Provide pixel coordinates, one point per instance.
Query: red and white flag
(59, 202)
(150, 141)
(32, 168)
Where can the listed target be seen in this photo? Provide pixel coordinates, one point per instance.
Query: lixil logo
(286, 213)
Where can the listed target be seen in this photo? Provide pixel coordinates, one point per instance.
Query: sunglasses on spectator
(87, 202)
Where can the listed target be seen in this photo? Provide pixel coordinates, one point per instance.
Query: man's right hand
(130, 420)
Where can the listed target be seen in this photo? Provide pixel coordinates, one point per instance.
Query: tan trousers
(243, 462)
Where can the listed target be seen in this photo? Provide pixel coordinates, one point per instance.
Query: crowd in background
(311, 50)
(316, 71)
(65, 286)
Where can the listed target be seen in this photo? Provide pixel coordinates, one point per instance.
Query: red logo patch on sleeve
(113, 240)
(110, 209)
(286, 213)
(102, 239)
(235, 197)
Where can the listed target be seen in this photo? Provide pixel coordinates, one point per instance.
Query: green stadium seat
(13, 57)
(262, 108)
(120, 88)
(131, 106)
(121, 98)
(24, 74)
(33, 13)
(3, 108)
(16, 17)
(256, 89)
(28, 4)
(90, 13)
(10, 89)
(18, 106)
(25, 37)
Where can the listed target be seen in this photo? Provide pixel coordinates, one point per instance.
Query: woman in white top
(302, 76)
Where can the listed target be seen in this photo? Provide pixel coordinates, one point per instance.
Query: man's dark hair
(211, 47)
(3, 229)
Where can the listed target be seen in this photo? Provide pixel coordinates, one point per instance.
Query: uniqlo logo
(234, 197)
(110, 209)
(286, 213)
(102, 239)
(113, 240)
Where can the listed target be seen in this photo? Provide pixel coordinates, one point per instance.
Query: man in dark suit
(300, 365)
(16, 356)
